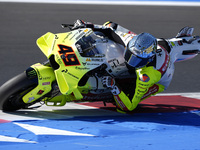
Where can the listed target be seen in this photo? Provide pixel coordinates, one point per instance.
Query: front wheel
(12, 91)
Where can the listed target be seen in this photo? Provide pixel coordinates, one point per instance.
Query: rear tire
(12, 91)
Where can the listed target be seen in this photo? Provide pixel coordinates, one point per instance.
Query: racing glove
(109, 83)
(81, 24)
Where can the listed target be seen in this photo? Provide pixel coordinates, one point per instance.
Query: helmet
(140, 50)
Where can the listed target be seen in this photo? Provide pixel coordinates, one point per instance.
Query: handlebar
(70, 26)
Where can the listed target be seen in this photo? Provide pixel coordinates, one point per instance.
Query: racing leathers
(150, 79)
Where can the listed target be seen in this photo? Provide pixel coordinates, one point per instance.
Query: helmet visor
(135, 61)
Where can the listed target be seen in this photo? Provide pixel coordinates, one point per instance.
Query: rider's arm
(115, 32)
(111, 30)
(146, 78)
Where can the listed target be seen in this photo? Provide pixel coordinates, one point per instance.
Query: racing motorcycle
(76, 62)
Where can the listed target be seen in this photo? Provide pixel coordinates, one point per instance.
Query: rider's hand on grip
(108, 82)
(79, 24)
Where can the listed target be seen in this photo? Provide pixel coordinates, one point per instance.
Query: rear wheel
(12, 91)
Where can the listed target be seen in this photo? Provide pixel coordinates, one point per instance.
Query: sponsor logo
(86, 63)
(46, 83)
(70, 33)
(151, 91)
(30, 99)
(40, 92)
(144, 78)
(46, 78)
(80, 68)
(80, 35)
(66, 71)
(95, 59)
(72, 75)
(59, 60)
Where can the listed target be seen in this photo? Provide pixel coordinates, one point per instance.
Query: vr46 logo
(68, 56)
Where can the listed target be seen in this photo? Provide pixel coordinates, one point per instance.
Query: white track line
(14, 139)
(190, 95)
(40, 130)
(99, 2)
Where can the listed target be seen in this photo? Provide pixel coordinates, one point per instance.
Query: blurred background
(22, 23)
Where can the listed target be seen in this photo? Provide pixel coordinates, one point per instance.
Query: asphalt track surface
(163, 122)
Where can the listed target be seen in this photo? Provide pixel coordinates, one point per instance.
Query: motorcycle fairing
(71, 66)
(45, 43)
(45, 76)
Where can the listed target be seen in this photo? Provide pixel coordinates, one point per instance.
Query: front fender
(44, 77)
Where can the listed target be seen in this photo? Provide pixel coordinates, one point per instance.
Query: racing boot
(186, 31)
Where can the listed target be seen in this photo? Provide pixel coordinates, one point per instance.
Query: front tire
(12, 91)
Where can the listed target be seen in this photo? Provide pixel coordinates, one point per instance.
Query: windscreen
(87, 45)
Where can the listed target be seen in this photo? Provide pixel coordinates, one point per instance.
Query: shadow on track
(162, 114)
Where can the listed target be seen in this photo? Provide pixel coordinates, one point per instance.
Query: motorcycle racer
(151, 59)
(106, 63)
